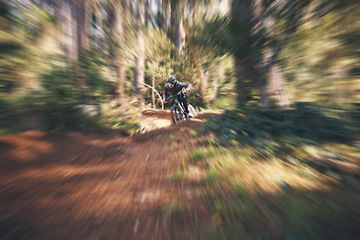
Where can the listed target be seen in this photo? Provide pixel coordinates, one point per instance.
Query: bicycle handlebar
(178, 94)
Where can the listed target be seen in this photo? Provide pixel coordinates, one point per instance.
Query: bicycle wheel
(175, 114)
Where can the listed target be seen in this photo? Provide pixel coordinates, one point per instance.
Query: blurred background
(278, 159)
(264, 54)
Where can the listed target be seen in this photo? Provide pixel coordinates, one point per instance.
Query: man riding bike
(173, 86)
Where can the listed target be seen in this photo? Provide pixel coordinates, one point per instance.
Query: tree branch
(162, 104)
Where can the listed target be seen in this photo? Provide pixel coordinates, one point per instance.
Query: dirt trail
(72, 186)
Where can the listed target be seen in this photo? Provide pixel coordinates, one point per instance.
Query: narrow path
(71, 186)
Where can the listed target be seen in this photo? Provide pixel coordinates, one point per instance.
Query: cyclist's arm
(187, 86)
(165, 92)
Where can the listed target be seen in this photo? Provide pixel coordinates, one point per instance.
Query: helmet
(171, 80)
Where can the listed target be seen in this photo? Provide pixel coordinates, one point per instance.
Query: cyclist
(173, 86)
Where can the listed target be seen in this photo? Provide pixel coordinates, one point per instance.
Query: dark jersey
(177, 88)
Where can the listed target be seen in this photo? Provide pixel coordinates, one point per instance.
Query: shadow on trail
(44, 149)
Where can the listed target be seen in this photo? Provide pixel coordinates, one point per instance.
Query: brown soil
(71, 186)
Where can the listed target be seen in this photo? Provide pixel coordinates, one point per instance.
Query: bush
(62, 115)
(256, 127)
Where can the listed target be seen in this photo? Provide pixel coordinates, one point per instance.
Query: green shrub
(307, 122)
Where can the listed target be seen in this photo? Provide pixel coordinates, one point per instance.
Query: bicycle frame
(178, 104)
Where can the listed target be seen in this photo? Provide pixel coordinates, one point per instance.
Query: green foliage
(174, 137)
(59, 82)
(11, 111)
(297, 216)
(22, 31)
(193, 133)
(118, 123)
(174, 148)
(179, 175)
(308, 122)
(90, 65)
(159, 63)
(296, 136)
(61, 98)
(48, 112)
(62, 115)
(42, 111)
(63, 95)
(59, 104)
(319, 69)
(313, 42)
(197, 155)
(316, 54)
(213, 176)
(175, 210)
(203, 153)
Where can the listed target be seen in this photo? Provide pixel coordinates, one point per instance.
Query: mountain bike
(178, 110)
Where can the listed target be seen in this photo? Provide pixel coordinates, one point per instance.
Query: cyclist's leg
(186, 106)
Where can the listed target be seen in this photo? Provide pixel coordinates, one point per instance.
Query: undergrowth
(305, 123)
(49, 113)
(261, 168)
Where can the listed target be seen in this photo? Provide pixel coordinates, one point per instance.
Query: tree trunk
(148, 13)
(82, 25)
(180, 31)
(180, 39)
(173, 18)
(140, 65)
(119, 30)
(167, 13)
(240, 73)
(240, 15)
(121, 86)
(67, 20)
(200, 73)
(264, 98)
(199, 70)
(274, 88)
(81, 38)
(152, 91)
(139, 76)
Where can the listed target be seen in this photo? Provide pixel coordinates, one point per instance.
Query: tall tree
(139, 76)
(80, 14)
(166, 9)
(255, 59)
(180, 31)
(177, 31)
(241, 26)
(199, 69)
(272, 91)
(120, 11)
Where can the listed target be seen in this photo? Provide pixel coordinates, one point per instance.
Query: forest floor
(65, 185)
